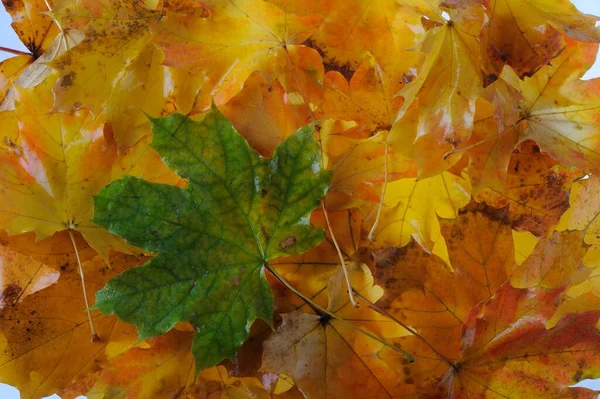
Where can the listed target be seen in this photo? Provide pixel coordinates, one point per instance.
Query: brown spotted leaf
(46, 341)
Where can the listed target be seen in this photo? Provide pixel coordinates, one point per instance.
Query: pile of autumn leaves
(464, 148)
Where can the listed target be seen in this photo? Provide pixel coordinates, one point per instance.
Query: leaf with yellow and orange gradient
(422, 292)
(560, 111)
(51, 173)
(369, 97)
(122, 71)
(351, 30)
(504, 343)
(22, 274)
(264, 113)
(448, 82)
(311, 271)
(413, 207)
(164, 366)
(360, 165)
(556, 261)
(236, 38)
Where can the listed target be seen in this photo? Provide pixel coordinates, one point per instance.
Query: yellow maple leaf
(411, 208)
(238, 37)
(560, 111)
(448, 82)
(49, 175)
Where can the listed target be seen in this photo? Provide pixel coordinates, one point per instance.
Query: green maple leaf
(212, 239)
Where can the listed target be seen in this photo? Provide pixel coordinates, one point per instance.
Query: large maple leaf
(239, 211)
(505, 340)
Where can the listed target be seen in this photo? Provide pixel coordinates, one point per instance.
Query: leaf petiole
(13, 51)
(95, 336)
(384, 188)
(323, 311)
(341, 256)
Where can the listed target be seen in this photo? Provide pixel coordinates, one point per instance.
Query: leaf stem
(341, 256)
(95, 337)
(385, 183)
(319, 310)
(406, 327)
(13, 51)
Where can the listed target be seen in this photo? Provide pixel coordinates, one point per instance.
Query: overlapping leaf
(45, 338)
(237, 38)
(452, 68)
(411, 208)
(33, 25)
(22, 275)
(535, 189)
(559, 110)
(524, 35)
(505, 342)
(122, 71)
(422, 292)
(326, 357)
(350, 30)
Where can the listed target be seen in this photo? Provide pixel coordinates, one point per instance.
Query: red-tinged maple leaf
(505, 343)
